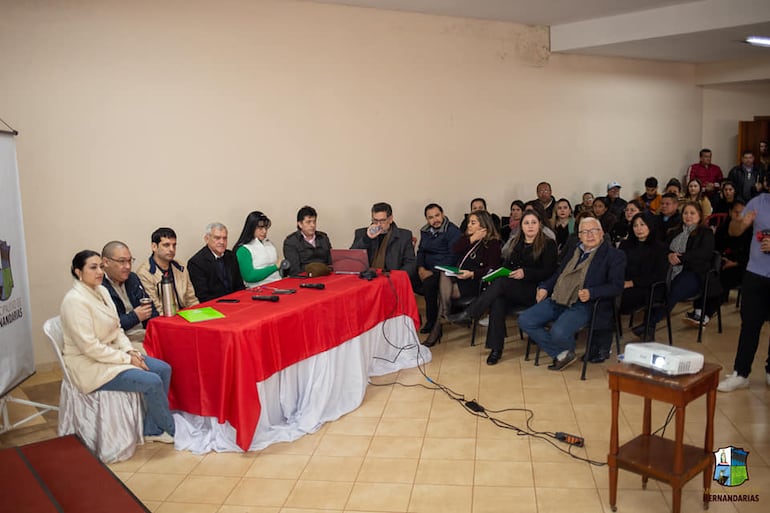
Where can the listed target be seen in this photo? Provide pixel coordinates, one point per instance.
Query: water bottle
(167, 296)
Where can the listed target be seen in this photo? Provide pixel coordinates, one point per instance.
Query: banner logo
(731, 468)
(6, 278)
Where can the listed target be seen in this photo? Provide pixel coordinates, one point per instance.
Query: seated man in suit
(388, 246)
(593, 270)
(161, 263)
(126, 291)
(214, 269)
(306, 245)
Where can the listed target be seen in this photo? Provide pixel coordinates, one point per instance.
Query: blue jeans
(566, 322)
(153, 385)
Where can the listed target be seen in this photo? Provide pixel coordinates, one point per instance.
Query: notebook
(349, 261)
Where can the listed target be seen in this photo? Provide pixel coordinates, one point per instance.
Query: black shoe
(563, 363)
(494, 357)
(599, 357)
(463, 318)
(435, 336)
(426, 328)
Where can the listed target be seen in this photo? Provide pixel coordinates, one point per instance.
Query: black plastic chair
(589, 337)
(711, 276)
(657, 299)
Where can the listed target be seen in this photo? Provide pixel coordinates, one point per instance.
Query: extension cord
(474, 406)
(577, 441)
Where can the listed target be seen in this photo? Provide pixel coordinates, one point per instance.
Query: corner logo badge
(6, 276)
(731, 468)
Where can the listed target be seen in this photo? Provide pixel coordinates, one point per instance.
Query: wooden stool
(669, 461)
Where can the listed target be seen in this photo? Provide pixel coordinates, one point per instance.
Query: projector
(666, 359)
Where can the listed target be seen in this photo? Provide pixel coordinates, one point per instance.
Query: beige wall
(139, 114)
(723, 107)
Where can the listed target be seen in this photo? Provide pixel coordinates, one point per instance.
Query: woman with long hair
(695, 193)
(646, 263)
(563, 223)
(623, 229)
(98, 354)
(726, 198)
(257, 256)
(602, 212)
(531, 258)
(514, 220)
(690, 255)
(478, 252)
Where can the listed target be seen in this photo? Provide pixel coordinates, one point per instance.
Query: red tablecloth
(216, 364)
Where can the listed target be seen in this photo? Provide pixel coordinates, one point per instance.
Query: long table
(220, 365)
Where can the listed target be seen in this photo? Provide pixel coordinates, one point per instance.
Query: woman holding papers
(531, 259)
(257, 257)
(98, 354)
(478, 252)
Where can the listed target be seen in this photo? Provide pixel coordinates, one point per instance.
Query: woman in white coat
(98, 354)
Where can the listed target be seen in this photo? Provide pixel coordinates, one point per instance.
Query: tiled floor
(410, 449)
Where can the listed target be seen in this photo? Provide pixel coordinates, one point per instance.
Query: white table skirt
(301, 398)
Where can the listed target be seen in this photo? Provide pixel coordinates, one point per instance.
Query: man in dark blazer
(388, 246)
(214, 269)
(593, 270)
(306, 245)
(126, 291)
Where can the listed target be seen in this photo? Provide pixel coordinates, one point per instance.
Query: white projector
(666, 359)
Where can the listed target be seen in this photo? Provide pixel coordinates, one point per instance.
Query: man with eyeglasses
(593, 270)
(214, 269)
(126, 291)
(388, 246)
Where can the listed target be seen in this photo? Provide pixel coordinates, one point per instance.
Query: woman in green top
(257, 257)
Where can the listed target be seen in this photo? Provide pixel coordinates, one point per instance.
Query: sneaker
(163, 438)
(693, 319)
(484, 322)
(564, 362)
(733, 382)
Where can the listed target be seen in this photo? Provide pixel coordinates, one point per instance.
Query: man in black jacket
(126, 291)
(306, 245)
(388, 246)
(593, 271)
(214, 269)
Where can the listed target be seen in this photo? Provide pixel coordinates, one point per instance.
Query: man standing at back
(306, 245)
(161, 263)
(214, 269)
(709, 175)
(126, 291)
(388, 246)
(746, 177)
(545, 197)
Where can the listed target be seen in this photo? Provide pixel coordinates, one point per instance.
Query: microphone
(317, 286)
(273, 299)
(284, 268)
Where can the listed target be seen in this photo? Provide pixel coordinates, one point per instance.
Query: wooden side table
(669, 461)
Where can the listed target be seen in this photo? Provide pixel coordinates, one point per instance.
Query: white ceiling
(674, 30)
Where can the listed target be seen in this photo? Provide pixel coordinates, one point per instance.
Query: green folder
(201, 314)
(448, 269)
(501, 272)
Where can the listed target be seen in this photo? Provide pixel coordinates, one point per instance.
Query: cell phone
(228, 300)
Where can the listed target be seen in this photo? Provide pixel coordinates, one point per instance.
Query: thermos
(167, 296)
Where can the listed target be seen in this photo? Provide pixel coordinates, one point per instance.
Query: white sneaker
(484, 321)
(163, 438)
(734, 382)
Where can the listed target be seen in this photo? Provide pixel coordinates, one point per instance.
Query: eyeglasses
(380, 221)
(590, 231)
(122, 261)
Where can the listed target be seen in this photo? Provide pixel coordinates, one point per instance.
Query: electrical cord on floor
(476, 409)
